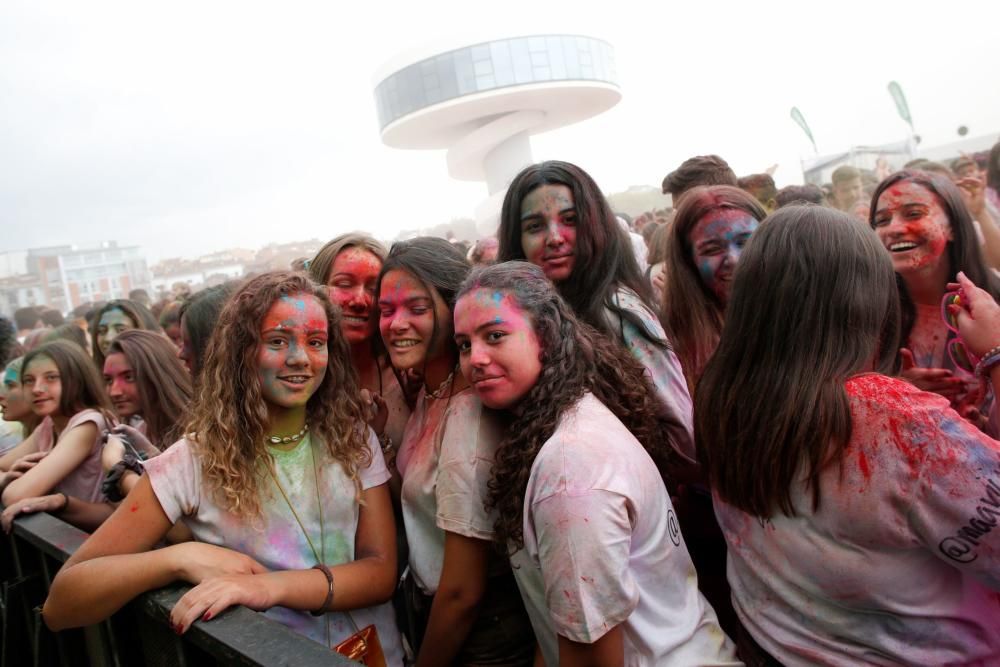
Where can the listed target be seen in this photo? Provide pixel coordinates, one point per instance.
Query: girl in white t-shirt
(279, 480)
(577, 488)
(556, 217)
(465, 608)
(62, 456)
(860, 512)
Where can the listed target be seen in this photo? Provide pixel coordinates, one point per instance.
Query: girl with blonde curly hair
(279, 479)
(577, 484)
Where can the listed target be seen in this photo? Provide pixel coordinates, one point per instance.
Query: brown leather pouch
(364, 647)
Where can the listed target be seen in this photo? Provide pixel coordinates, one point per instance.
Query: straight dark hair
(814, 302)
(81, 386)
(964, 253)
(199, 315)
(604, 260)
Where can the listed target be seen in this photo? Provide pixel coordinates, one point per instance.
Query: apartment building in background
(70, 277)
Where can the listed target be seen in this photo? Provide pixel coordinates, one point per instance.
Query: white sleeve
(956, 506)
(376, 473)
(176, 479)
(584, 544)
(469, 441)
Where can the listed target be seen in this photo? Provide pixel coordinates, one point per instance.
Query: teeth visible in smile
(901, 246)
(405, 343)
(295, 378)
(355, 318)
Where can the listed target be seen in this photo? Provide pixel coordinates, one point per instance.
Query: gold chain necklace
(302, 527)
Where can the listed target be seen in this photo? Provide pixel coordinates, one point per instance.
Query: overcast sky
(188, 127)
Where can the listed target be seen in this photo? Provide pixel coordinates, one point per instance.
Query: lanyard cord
(319, 507)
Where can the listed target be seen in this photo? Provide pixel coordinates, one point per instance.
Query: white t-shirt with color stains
(602, 548)
(446, 462)
(900, 564)
(278, 542)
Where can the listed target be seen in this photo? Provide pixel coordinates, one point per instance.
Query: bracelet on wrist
(989, 360)
(111, 487)
(329, 590)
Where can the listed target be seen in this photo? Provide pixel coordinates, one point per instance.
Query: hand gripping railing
(137, 634)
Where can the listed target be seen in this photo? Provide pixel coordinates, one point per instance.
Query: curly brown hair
(229, 418)
(576, 359)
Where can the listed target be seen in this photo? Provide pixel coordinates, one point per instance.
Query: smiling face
(913, 227)
(548, 230)
(14, 402)
(119, 379)
(717, 241)
(352, 281)
(498, 350)
(407, 313)
(112, 323)
(292, 354)
(43, 385)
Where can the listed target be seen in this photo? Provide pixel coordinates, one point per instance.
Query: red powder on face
(134, 508)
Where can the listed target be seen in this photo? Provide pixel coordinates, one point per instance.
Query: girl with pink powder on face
(280, 481)
(703, 245)
(463, 604)
(349, 266)
(578, 485)
(860, 512)
(556, 217)
(923, 223)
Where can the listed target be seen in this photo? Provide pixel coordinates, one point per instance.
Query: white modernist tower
(483, 101)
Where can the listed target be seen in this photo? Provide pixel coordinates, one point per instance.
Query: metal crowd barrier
(140, 633)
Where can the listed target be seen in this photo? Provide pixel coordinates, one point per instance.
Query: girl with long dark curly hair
(555, 216)
(577, 484)
(279, 479)
(462, 599)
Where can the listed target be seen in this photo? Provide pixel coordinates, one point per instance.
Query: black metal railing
(140, 632)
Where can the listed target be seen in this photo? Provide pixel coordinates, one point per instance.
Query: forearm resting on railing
(88, 592)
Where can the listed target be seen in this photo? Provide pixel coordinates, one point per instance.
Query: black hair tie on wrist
(111, 485)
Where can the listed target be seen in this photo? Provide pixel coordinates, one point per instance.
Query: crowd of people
(754, 428)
